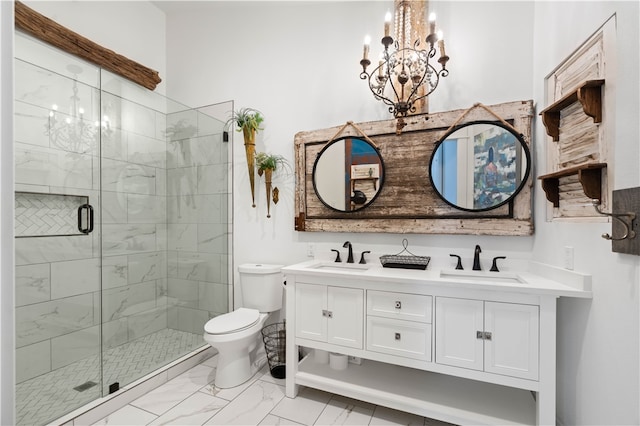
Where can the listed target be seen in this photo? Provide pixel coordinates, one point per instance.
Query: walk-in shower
(121, 230)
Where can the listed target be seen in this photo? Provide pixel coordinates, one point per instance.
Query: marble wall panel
(136, 118)
(75, 346)
(114, 143)
(212, 208)
(114, 207)
(213, 179)
(147, 266)
(172, 264)
(195, 208)
(212, 238)
(33, 284)
(183, 237)
(115, 272)
(199, 266)
(161, 181)
(187, 319)
(35, 323)
(181, 125)
(147, 151)
(147, 322)
(182, 293)
(182, 181)
(162, 235)
(115, 333)
(52, 249)
(195, 151)
(182, 209)
(75, 277)
(36, 165)
(146, 208)
(128, 238)
(121, 176)
(29, 124)
(213, 297)
(33, 360)
(124, 301)
(162, 292)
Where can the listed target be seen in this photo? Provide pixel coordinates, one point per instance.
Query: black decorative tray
(403, 261)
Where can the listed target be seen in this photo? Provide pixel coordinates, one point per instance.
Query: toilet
(236, 335)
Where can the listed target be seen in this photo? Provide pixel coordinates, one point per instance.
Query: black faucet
(476, 259)
(350, 257)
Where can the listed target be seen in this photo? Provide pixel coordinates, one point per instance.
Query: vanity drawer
(398, 337)
(412, 307)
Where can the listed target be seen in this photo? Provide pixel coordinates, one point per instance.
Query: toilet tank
(261, 286)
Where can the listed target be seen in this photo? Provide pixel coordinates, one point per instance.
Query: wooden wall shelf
(589, 175)
(589, 94)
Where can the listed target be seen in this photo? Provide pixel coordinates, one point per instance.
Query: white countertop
(537, 279)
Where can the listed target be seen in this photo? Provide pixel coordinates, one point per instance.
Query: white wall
(298, 63)
(135, 29)
(598, 340)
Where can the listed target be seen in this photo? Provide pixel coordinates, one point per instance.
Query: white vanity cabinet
(453, 349)
(496, 337)
(329, 314)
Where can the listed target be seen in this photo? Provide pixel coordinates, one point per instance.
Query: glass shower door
(164, 189)
(57, 174)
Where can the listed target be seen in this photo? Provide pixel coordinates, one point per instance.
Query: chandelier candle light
(405, 74)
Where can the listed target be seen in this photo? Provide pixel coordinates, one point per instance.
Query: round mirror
(348, 174)
(479, 166)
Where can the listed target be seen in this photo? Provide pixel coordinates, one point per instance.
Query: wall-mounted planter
(250, 152)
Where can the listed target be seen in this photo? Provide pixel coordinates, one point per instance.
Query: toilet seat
(238, 320)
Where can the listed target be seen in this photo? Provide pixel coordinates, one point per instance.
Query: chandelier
(405, 74)
(72, 131)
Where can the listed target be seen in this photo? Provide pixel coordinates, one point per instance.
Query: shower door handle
(89, 209)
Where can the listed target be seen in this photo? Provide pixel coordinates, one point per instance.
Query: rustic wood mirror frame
(408, 203)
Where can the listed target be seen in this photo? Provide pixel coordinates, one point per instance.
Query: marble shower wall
(57, 277)
(162, 216)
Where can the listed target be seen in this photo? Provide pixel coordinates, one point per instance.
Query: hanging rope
(350, 123)
(486, 108)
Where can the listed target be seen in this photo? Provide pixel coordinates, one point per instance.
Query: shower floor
(52, 395)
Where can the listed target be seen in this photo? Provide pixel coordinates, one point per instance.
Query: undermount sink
(482, 276)
(343, 267)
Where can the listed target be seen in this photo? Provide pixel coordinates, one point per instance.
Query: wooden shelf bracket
(589, 94)
(589, 175)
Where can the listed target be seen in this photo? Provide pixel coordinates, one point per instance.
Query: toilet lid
(237, 320)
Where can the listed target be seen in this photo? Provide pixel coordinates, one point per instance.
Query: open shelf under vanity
(429, 394)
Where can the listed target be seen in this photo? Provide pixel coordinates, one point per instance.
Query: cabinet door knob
(325, 313)
(397, 336)
(487, 335)
(398, 304)
(479, 335)
(330, 314)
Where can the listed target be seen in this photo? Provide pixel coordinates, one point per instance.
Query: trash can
(275, 345)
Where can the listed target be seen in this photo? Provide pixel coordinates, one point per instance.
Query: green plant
(266, 161)
(246, 118)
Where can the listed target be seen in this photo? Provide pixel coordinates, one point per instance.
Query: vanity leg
(291, 389)
(546, 397)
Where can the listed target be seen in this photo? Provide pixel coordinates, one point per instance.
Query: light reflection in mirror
(348, 174)
(479, 166)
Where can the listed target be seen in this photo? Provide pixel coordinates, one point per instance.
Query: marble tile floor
(192, 399)
(52, 395)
